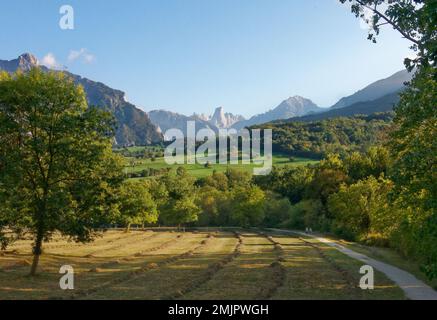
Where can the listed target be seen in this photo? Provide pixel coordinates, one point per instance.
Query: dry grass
(191, 265)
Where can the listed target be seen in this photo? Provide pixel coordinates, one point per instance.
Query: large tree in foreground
(413, 142)
(57, 169)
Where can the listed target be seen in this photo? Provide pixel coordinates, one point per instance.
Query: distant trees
(57, 168)
(342, 135)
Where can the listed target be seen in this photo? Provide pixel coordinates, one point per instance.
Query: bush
(375, 239)
(307, 213)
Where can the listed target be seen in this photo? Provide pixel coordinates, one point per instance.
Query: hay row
(134, 274)
(210, 272)
(279, 271)
(157, 248)
(119, 245)
(345, 274)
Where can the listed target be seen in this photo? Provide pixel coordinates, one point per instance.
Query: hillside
(133, 125)
(376, 90)
(384, 104)
(292, 107)
(339, 135)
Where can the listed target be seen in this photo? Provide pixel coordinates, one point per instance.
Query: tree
(277, 210)
(247, 206)
(179, 207)
(325, 183)
(362, 208)
(217, 180)
(413, 141)
(136, 204)
(307, 214)
(57, 166)
(290, 182)
(181, 211)
(375, 162)
(238, 178)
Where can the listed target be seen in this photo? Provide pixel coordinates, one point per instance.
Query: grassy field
(189, 265)
(198, 170)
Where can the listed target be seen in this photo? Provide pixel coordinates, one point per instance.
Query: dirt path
(414, 288)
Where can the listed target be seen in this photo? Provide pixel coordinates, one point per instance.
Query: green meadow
(135, 165)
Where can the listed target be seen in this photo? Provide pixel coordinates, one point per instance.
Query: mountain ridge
(376, 90)
(291, 107)
(133, 125)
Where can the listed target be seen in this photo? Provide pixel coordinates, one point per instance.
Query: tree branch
(388, 21)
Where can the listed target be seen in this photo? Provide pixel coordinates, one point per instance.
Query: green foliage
(338, 135)
(307, 214)
(414, 143)
(247, 206)
(290, 182)
(276, 209)
(237, 178)
(136, 204)
(213, 203)
(362, 208)
(325, 183)
(57, 167)
(375, 162)
(179, 206)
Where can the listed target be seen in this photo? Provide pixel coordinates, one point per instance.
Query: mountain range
(133, 125)
(379, 96)
(137, 127)
(292, 107)
(376, 90)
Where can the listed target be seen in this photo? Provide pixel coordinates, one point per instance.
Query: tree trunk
(37, 251)
(128, 228)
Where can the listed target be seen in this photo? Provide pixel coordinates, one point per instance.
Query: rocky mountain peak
(220, 119)
(28, 59)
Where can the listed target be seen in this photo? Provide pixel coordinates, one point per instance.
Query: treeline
(355, 196)
(151, 153)
(338, 135)
(341, 195)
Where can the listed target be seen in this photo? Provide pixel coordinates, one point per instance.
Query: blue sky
(194, 55)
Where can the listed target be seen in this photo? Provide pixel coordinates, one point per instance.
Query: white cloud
(49, 61)
(82, 55)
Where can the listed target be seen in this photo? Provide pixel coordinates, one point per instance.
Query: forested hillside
(339, 135)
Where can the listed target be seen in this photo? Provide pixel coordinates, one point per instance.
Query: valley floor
(190, 265)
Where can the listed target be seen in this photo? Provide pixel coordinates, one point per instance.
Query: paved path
(414, 288)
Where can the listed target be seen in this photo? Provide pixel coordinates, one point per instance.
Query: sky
(195, 55)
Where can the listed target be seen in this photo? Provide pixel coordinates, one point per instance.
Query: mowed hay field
(150, 264)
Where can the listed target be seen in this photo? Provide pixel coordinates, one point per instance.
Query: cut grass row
(193, 265)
